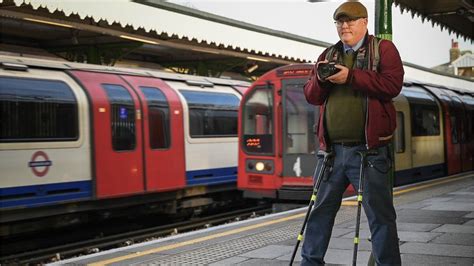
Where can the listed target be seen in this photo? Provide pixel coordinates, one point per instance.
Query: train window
(425, 120)
(211, 114)
(122, 117)
(299, 118)
(400, 134)
(37, 110)
(257, 121)
(424, 112)
(158, 118)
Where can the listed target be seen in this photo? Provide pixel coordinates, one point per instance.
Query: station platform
(435, 226)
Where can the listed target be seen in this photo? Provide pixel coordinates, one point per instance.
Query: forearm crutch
(360, 191)
(327, 156)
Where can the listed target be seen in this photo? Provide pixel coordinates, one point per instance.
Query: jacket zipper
(366, 121)
(370, 44)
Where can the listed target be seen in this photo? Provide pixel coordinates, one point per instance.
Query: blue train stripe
(37, 195)
(211, 176)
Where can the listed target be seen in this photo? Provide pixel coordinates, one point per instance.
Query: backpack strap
(375, 51)
(331, 54)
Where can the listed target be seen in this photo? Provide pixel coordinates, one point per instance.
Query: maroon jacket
(379, 87)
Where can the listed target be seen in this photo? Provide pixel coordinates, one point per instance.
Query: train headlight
(259, 166)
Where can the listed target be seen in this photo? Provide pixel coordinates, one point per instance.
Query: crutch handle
(325, 154)
(322, 153)
(327, 161)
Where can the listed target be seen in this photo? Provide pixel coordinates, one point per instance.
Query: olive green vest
(345, 111)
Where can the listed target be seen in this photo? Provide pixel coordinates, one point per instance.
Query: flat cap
(350, 10)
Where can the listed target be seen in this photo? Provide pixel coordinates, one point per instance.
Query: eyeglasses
(350, 22)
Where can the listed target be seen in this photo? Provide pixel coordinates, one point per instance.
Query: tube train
(277, 142)
(77, 137)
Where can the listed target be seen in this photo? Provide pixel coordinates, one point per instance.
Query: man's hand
(340, 77)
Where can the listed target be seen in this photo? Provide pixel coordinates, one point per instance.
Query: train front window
(299, 119)
(212, 114)
(37, 110)
(122, 117)
(257, 121)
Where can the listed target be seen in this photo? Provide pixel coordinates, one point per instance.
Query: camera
(327, 69)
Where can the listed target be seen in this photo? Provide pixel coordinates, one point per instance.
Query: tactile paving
(229, 248)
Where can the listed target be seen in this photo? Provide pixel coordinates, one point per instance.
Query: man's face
(351, 31)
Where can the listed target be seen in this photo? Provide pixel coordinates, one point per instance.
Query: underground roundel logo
(40, 163)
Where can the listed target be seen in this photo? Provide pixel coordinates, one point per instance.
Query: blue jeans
(377, 203)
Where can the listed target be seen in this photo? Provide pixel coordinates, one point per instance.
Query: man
(356, 114)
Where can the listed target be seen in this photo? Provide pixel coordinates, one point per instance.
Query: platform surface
(435, 226)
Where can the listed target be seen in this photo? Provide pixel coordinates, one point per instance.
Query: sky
(418, 43)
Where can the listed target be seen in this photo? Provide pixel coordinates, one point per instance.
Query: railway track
(64, 251)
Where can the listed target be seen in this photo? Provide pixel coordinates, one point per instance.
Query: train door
(298, 136)
(468, 131)
(458, 135)
(117, 134)
(452, 110)
(465, 158)
(257, 153)
(163, 137)
(427, 138)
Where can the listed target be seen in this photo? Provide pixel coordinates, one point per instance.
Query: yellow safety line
(349, 203)
(418, 187)
(447, 180)
(193, 241)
